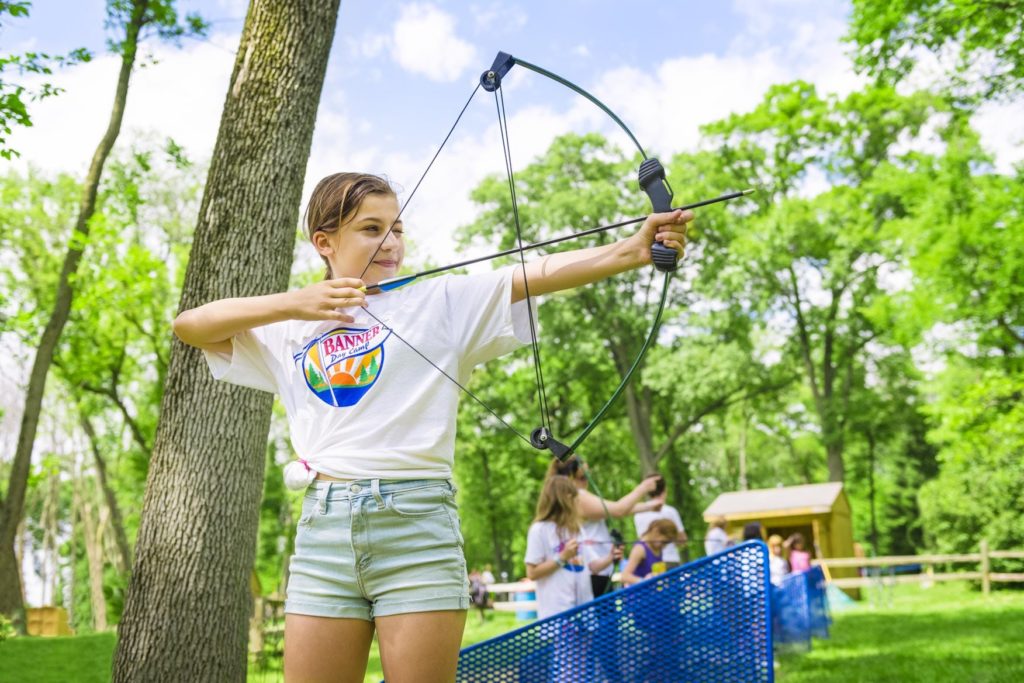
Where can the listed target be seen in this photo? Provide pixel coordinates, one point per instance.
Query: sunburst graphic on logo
(342, 365)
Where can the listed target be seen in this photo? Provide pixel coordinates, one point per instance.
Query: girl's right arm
(212, 325)
(592, 509)
(636, 556)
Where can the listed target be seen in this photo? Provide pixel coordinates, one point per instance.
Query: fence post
(986, 581)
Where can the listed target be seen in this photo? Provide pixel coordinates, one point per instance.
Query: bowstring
(545, 413)
(419, 182)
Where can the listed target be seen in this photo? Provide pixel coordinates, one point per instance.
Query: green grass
(77, 659)
(946, 633)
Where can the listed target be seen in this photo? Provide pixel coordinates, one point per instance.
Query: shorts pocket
(308, 509)
(421, 502)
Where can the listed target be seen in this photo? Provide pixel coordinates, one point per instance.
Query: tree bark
(188, 603)
(11, 602)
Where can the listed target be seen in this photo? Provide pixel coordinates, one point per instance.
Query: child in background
(552, 550)
(778, 567)
(645, 559)
(799, 559)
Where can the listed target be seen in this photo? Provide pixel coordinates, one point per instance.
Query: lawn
(945, 633)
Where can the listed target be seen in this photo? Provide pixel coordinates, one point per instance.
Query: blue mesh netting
(704, 621)
(800, 610)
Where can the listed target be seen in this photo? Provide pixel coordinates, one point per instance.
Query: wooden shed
(820, 512)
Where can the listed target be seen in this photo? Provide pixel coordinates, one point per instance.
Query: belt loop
(452, 487)
(375, 489)
(321, 497)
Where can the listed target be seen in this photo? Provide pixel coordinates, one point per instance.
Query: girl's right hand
(321, 300)
(569, 551)
(649, 484)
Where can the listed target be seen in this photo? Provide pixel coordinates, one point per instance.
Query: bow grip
(652, 180)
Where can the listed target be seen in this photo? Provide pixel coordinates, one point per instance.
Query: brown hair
(569, 468)
(664, 527)
(557, 503)
(337, 198)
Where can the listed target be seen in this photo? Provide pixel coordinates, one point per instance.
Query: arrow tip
(749, 191)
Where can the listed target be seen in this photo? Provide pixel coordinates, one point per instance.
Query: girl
(553, 556)
(378, 545)
(645, 558)
(778, 567)
(799, 559)
(594, 511)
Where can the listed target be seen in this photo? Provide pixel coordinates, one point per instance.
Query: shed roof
(808, 498)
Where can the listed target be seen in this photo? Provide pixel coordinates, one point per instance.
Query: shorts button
(355, 488)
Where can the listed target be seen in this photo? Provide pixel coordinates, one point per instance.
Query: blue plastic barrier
(708, 620)
(525, 613)
(800, 610)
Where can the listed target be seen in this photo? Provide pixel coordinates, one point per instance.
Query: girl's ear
(322, 243)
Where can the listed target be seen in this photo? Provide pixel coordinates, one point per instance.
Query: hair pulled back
(337, 198)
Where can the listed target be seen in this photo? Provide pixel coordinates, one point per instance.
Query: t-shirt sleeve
(248, 364)
(486, 324)
(536, 548)
(674, 515)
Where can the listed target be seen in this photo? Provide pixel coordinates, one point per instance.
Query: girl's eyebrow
(374, 219)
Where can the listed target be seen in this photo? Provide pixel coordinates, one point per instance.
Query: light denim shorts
(375, 548)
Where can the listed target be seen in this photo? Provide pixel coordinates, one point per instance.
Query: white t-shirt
(642, 520)
(565, 588)
(716, 541)
(360, 402)
(596, 544)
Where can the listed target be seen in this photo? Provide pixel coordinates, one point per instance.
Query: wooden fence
(983, 559)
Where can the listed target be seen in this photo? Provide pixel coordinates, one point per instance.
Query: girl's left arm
(570, 269)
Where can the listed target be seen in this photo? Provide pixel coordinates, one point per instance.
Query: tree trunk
(124, 552)
(11, 602)
(92, 536)
(744, 420)
(188, 603)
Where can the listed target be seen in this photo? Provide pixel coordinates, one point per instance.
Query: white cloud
(1001, 126)
(181, 96)
(424, 42)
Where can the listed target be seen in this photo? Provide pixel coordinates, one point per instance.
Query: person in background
(553, 557)
(646, 559)
(778, 567)
(716, 539)
(675, 552)
(596, 538)
(487, 575)
(799, 559)
(478, 593)
(752, 532)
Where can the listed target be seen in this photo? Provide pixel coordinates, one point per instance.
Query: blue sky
(399, 72)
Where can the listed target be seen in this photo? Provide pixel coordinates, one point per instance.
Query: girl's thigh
(320, 649)
(420, 647)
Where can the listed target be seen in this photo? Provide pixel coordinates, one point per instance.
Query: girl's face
(355, 244)
(657, 541)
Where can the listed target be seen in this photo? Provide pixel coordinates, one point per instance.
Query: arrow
(396, 282)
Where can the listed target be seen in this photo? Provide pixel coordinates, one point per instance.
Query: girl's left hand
(668, 228)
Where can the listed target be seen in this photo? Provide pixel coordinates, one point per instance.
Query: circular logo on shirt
(341, 365)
